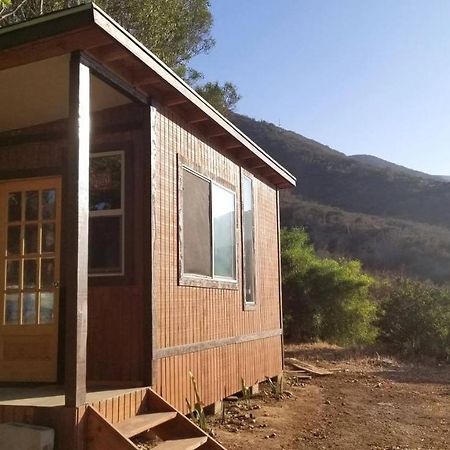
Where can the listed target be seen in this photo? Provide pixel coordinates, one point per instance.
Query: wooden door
(30, 217)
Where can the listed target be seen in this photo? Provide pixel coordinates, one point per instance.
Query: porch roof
(89, 29)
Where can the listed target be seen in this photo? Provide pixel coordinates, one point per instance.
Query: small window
(248, 239)
(106, 214)
(208, 228)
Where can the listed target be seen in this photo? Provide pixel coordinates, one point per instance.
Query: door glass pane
(223, 212)
(48, 237)
(12, 274)
(29, 308)
(48, 204)
(105, 182)
(47, 273)
(13, 246)
(47, 308)
(31, 205)
(11, 309)
(29, 273)
(15, 207)
(31, 239)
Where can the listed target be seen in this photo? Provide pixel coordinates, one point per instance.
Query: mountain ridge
(390, 217)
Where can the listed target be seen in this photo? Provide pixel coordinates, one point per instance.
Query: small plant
(276, 388)
(246, 391)
(196, 411)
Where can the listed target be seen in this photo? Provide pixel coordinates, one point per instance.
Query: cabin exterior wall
(190, 315)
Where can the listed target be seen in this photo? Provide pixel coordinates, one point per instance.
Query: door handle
(56, 284)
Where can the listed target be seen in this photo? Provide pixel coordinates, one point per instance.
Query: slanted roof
(88, 28)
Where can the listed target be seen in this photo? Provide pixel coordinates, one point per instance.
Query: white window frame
(114, 212)
(191, 279)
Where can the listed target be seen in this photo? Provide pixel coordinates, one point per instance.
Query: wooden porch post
(75, 227)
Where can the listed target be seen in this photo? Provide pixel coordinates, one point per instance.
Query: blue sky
(362, 76)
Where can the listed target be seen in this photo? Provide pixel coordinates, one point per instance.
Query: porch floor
(52, 395)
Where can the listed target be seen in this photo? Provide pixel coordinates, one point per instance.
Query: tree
(324, 298)
(224, 98)
(175, 30)
(415, 318)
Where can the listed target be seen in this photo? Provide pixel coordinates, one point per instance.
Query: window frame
(196, 280)
(248, 306)
(118, 212)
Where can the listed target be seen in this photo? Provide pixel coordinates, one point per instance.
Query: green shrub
(324, 298)
(415, 318)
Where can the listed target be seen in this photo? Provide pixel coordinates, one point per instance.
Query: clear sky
(362, 76)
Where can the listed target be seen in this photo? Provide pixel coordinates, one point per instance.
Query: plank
(182, 444)
(75, 227)
(307, 367)
(101, 435)
(139, 424)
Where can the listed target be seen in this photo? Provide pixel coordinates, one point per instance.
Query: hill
(332, 178)
(374, 161)
(390, 217)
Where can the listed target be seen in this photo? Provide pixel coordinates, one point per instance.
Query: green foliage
(415, 318)
(324, 298)
(245, 391)
(223, 97)
(175, 30)
(196, 411)
(392, 245)
(276, 387)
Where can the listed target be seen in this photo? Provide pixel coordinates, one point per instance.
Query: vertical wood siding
(187, 315)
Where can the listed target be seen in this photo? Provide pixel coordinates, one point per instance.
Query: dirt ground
(370, 402)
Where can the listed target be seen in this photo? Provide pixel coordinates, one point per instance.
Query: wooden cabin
(139, 239)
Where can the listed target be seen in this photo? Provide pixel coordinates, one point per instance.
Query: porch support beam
(75, 232)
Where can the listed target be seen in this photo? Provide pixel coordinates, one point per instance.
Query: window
(208, 228)
(248, 239)
(106, 214)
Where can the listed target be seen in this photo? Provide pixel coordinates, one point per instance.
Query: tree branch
(14, 11)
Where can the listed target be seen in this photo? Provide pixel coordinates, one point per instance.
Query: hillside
(390, 217)
(332, 178)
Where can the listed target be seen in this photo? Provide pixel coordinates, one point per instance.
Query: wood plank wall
(187, 315)
(115, 348)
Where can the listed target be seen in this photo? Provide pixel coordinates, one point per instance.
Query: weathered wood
(307, 367)
(200, 346)
(101, 435)
(144, 422)
(102, 72)
(182, 444)
(75, 231)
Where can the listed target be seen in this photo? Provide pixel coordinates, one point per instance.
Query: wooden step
(138, 424)
(182, 444)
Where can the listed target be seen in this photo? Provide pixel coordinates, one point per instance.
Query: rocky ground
(369, 402)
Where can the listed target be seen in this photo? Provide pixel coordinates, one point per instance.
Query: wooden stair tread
(182, 444)
(143, 422)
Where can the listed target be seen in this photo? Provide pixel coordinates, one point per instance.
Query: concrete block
(254, 389)
(21, 436)
(215, 408)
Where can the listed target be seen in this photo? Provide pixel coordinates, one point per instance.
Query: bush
(324, 298)
(415, 318)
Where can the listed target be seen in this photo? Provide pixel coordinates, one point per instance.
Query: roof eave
(90, 14)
